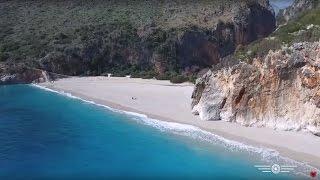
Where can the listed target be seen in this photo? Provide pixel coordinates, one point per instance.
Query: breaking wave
(267, 155)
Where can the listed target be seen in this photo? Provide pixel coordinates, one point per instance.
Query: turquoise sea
(46, 135)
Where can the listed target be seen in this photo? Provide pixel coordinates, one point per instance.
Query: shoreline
(297, 140)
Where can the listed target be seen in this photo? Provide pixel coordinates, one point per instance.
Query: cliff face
(293, 11)
(18, 73)
(280, 91)
(157, 38)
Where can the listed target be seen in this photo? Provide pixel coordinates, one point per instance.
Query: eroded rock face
(21, 74)
(245, 23)
(281, 91)
(253, 22)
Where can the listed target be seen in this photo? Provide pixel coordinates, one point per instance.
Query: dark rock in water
(21, 74)
(8, 79)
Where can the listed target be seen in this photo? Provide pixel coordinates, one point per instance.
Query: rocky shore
(280, 91)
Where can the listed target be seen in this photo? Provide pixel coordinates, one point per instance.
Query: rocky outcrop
(280, 91)
(295, 10)
(253, 22)
(21, 74)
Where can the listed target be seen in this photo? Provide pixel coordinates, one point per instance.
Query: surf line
(267, 155)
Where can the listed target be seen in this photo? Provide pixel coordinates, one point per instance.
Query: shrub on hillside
(179, 79)
(192, 79)
(261, 48)
(148, 74)
(3, 56)
(166, 76)
(258, 48)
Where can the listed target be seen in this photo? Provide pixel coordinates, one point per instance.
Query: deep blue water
(47, 135)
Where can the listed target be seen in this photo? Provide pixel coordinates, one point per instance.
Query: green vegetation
(97, 37)
(298, 29)
(179, 79)
(100, 37)
(259, 48)
(305, 28)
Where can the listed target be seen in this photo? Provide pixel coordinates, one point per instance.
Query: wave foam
(267, 155)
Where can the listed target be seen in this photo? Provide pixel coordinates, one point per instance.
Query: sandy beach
(168, 102)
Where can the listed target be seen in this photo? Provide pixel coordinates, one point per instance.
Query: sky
(280, 4)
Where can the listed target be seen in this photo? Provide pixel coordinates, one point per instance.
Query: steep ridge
(295, 9)
(273, 82)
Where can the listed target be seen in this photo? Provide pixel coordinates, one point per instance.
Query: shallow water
(47, 135)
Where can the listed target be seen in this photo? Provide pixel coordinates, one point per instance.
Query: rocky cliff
(145, 39)
(296, 9)
(280, 91)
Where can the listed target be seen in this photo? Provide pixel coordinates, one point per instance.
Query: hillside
(304, 28)
(273, 82)
(294, 11)
(142, 38)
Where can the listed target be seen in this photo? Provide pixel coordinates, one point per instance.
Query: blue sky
(280, 4)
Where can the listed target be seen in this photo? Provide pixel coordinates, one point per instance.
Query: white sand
(165, 101)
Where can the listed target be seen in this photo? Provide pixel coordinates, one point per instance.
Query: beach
(172, 102)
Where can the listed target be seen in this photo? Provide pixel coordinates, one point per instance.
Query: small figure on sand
(133, 98)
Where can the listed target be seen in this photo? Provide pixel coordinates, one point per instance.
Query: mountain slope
(295, 10)
(142, 38)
